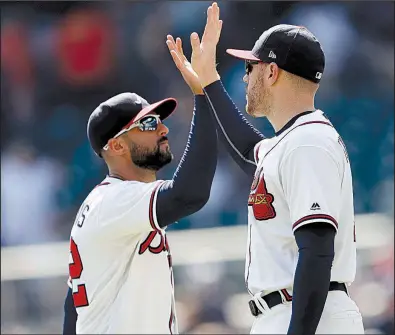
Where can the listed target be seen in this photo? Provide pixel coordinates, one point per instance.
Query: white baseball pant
(340, 316)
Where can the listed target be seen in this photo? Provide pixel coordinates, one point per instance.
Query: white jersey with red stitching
(303, 176)
(120, 263)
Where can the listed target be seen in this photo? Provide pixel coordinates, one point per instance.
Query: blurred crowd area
(59, 60)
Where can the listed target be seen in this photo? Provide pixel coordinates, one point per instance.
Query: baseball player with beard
(121, 279)
(301, 252)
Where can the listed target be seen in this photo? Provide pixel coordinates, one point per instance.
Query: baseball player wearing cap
(301, 251)
(121, 279)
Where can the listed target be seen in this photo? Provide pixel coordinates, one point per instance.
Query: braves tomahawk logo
(260, 199)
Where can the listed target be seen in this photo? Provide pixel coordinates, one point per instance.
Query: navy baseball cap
(293, 48)
(114, 114)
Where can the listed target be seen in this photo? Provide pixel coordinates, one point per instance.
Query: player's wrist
(209, 78)
(197, 90)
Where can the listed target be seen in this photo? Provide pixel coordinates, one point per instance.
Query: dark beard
(151, 160)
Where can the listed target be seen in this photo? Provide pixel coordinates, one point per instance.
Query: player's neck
(285, 109)
(133, 173)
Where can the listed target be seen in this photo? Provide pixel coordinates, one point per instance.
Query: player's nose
(245, 78)
(162, 129)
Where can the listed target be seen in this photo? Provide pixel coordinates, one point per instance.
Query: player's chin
(254, 112)
(250, 110)
(166, 154)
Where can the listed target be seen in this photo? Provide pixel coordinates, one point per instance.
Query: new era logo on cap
(318, 75)
(272, 55)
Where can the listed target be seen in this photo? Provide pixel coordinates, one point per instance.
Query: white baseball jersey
(303, 176)
(120, 264)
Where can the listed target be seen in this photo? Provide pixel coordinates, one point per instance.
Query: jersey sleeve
(129, 208)
(311, 182)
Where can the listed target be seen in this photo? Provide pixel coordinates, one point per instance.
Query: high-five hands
(183, 65)
(201, 71)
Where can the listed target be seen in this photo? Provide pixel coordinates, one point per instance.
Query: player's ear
(117, 146)
(272, 73)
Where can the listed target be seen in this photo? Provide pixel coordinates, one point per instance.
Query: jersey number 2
(75, 269)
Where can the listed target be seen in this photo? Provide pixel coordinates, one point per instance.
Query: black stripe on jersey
(309, 122)
(315, 217)
(151, 209)
(291, 122)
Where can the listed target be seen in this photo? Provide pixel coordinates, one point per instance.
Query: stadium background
(59, 60)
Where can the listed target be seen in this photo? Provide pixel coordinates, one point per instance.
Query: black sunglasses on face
(249, 65)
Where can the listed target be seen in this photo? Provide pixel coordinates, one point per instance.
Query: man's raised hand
(204, 52)
(183, 65)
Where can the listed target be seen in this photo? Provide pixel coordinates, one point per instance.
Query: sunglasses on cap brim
(148, 122)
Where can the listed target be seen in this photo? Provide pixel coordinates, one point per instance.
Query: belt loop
(346, 286)
(260, 303)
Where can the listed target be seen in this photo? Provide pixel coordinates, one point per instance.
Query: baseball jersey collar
(291, 122)
(114, 177)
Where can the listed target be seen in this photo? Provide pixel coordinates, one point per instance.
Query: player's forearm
(70, 315)
(238, 135)
(312, 277)
(190, 188)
